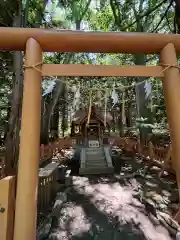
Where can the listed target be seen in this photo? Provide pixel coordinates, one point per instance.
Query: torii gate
(34, 42)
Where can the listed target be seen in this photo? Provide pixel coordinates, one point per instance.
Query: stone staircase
(94, 161)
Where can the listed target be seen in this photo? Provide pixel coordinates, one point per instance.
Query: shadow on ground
(163, 192)
(109, 207)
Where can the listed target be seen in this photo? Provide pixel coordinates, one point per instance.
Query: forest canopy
(62, 96)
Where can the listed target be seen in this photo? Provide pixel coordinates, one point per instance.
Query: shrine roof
(81, 115)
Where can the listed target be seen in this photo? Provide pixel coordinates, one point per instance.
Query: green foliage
(100, 15)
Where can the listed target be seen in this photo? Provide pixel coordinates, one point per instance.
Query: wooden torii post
(29, 154)
(36, 41)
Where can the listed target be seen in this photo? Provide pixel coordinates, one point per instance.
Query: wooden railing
(160, 155)
(51, 149)
(47, 186)
(7, 206)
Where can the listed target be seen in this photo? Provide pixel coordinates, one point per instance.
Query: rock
(162, 206)
(174, 207)
(178, 236)
(155, 168)
(165, 173)
(44, 229)
(69, 180)
(150, 184)
(157, 198)
(61, 196)
(55, 159)
(153, 195)
(174, 198)
(168, 222)
(61, 173)
(154, 219)
(166, 193)
(60, 199)
(149, 206)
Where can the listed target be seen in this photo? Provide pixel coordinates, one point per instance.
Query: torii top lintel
(14, 39)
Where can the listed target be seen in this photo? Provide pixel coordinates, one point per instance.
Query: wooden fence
(47, 186)
(7, 205)
(159, 155)
(47, 176)
(53, 148)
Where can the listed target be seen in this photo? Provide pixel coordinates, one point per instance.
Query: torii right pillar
(171, 87)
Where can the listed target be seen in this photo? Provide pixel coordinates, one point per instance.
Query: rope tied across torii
(121, 87)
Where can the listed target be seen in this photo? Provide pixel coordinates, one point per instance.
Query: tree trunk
(49, 111)
(114, 121)
(129, 114)
(13, 132)
(142, 102)
(55, 96)
(12, 136)
(55, 123)
(44, 134)
(122, 115)
(64, 111)
(177, 17)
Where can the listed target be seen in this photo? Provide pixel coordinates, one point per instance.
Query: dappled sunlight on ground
(99, 208)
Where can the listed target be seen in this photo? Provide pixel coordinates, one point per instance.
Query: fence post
(7, 203)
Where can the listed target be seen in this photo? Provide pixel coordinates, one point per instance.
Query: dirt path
(106, 208)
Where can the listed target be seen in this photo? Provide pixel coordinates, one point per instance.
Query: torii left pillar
(27, 181)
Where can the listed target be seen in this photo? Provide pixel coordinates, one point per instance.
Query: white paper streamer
(76, 100)
(49, 88)
(148, 89)
(114, 96)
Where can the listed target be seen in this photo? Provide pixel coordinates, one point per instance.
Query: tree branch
(171, 30)
(164, 15)
(116, 17)
(85, 10)
(147, 13)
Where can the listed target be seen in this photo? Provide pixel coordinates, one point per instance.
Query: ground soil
(109, 207)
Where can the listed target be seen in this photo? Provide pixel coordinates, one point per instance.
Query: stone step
(96, 165)
(92, 150)
(95, 158)
(89, 157)
(95, 161)
(89, 148)
(92, 170)
(95, 153)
